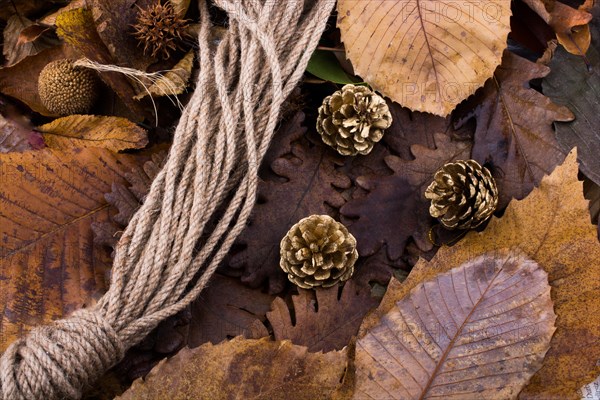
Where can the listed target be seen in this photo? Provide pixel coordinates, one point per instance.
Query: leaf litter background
(68, 189)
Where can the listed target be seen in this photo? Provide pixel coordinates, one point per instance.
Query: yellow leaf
(552, 227)
(78, 131)
(427, 55)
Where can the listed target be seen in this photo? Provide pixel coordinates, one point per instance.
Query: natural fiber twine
(169, 250)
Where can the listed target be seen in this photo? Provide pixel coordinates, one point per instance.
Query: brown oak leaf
(324, 319)
(304, 183)
(394, 208)
(514, 128)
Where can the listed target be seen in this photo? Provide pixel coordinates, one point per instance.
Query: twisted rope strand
(170, 249)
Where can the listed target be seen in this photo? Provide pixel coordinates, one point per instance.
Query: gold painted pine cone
(463, 195)
(318, 251)
(353, 119)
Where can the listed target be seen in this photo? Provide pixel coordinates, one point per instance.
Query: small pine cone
(353, 119)
(159, 29)
(463, 195)
(318, 251)
(66, 89)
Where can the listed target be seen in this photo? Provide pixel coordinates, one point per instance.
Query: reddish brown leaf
(325, 320)
(23, 38)
(479, 331)
(514, 128)
(244, 369)
(20, 80)
(49, 265)
(394, 208)
(303, 183)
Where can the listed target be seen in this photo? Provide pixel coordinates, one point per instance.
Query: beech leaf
(514, 132)
(79, 131)
(324, 320)
(551, 227)
(427, 55)
(244, 369)
(49, 265)
(479, 331)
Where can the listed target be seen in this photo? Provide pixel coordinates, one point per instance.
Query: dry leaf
(552, 227)
(479, 331)
(18, 137)
(181, 6)
(297, 185)
(173, 82)
(243, 369)
(77, 27)
(112, 133)
(394, 208)
(427, 55)
(570, 25)
(514, 134)
(17, 46)
(48, 262)
(324, 320)
(571, 83)
(20, 80)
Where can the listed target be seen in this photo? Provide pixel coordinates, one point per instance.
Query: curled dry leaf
(427, 55)
(244, 369)
(552, 227)
(296, 185)
(514, 134)
(173, 82)
(479, 331)
(325, 320)
(49, 264)
(80, 131)
(569, 24)
(23, 38)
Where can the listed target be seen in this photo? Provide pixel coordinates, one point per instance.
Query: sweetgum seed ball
(66, 89)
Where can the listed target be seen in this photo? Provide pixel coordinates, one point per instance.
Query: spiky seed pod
(353, 119)
(159, 28)
(318, 251)
(67, 89)
(463, 195)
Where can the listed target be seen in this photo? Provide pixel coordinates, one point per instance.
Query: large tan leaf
(478, 331)
(243, 369)
(428, 55)
(49, 265)
(552, 227)
(113, 133)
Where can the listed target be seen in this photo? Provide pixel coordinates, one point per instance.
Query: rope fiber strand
(198, 204)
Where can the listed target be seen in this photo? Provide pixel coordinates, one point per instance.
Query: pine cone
(159, 28)
(318, 251)
(352, 120)
(66, 89)
(463, 195)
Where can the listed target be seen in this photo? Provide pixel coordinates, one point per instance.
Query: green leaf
(325, 65)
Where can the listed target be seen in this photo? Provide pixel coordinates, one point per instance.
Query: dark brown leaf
(23, 38)
(514, 128)
(325, 320)
(303, 183)
(479, 331)
(394, 208)
(18, 136)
